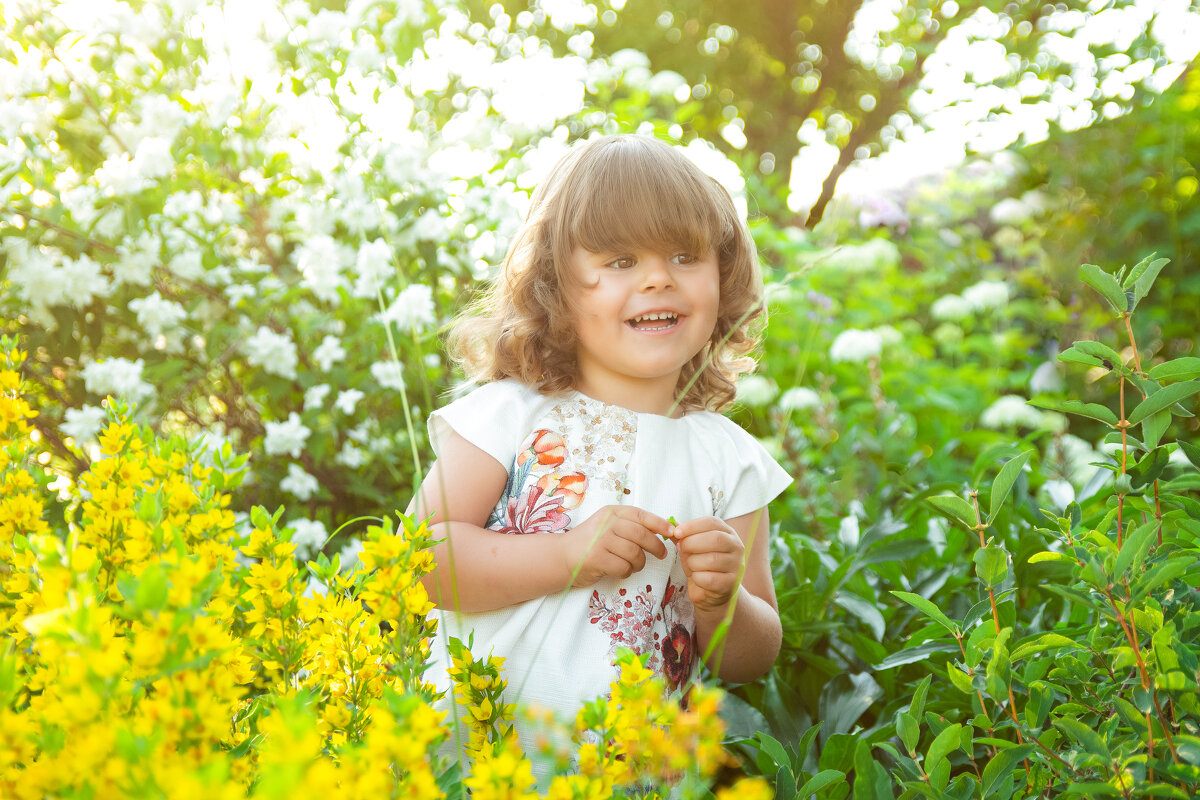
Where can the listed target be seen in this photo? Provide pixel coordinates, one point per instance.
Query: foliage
(152, 647)
(765, 79)
(1068, 665)
(1142, 195)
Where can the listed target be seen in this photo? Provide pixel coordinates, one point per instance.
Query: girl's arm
(480, 570)
(712, 551)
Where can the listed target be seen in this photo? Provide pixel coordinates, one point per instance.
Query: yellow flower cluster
(151, 645)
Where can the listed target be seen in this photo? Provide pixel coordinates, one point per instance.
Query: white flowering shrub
(253, 226)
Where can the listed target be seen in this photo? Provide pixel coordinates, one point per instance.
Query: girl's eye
(625, 262)
(683, 258)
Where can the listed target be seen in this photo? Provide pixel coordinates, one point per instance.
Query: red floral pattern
(663, 629)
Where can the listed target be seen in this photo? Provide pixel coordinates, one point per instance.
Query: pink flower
(569, 488)
(547, 447)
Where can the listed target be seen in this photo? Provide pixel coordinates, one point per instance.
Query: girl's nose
(656, 273)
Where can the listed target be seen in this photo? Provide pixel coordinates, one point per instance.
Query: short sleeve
(489, 417)
(753, 478)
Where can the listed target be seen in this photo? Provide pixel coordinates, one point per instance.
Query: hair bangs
(631, 196)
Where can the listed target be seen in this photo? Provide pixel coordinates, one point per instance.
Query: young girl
(625, 309)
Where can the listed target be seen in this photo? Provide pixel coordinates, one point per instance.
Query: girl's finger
(651, 522)
(645, 539)
(701, 525)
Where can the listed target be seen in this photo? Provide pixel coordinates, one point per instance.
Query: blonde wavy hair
(610, 195)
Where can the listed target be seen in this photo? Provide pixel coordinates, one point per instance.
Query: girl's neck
(641, 396)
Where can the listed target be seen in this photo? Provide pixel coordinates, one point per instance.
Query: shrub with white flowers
(254, 228)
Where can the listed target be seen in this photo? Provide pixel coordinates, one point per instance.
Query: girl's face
(640, 317)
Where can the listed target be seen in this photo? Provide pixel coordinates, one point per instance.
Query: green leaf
(1005, 480)
(956, 507)
(1093, 788)
(991, 564)
(1141, 286)
(1001, 766)
(908, 730)
(1177, 369)
(910, 655)
(1044, 643)
(928, 608)
(1106, 285)
(822, 780)
(1163, 398)
(917, 705)
(945, 743)
(1092, 742)
(1159, 574)
(864, 610)
(771, 747)
(1075, 356)
(1106, 354)
(1090, 410)
(152, 589)
(1134, 548)
(1140, 269)
(1048, 555)
(1191, 451)
(1154, 426)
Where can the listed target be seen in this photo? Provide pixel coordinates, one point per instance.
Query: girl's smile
(640, 317)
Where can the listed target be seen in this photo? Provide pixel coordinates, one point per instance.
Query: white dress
(568, 456)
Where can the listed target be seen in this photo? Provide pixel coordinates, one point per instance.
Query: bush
(153, 647)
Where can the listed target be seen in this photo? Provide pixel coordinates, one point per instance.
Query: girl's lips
(654, 326)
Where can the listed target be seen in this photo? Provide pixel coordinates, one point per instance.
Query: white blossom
(136, 259)
(320, 261)
(755, 390)
(153, 158)
(84, 423)
(37, 278)
(328, 353)
(848, 531)
(950, 307)
(116, 377)
(299, 483)
(855, 345)
(799, 398)
(373, 266)
(274, 352)
(308, 535)
(314, 396)
(351, 456)
(156, 314)
(188, 264)
(1046, 379)
(82, 281)
(412, 310)
(986, 294)
(888, 335)
(347, 400)
(874, 255)
(1011, 411)
(286, 437)
(389, 374)
(1060, 492)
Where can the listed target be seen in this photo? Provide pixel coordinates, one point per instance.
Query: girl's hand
(613, 541)
(712, 554)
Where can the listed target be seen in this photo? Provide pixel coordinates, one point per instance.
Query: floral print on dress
(663, 629)
(541, 507)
